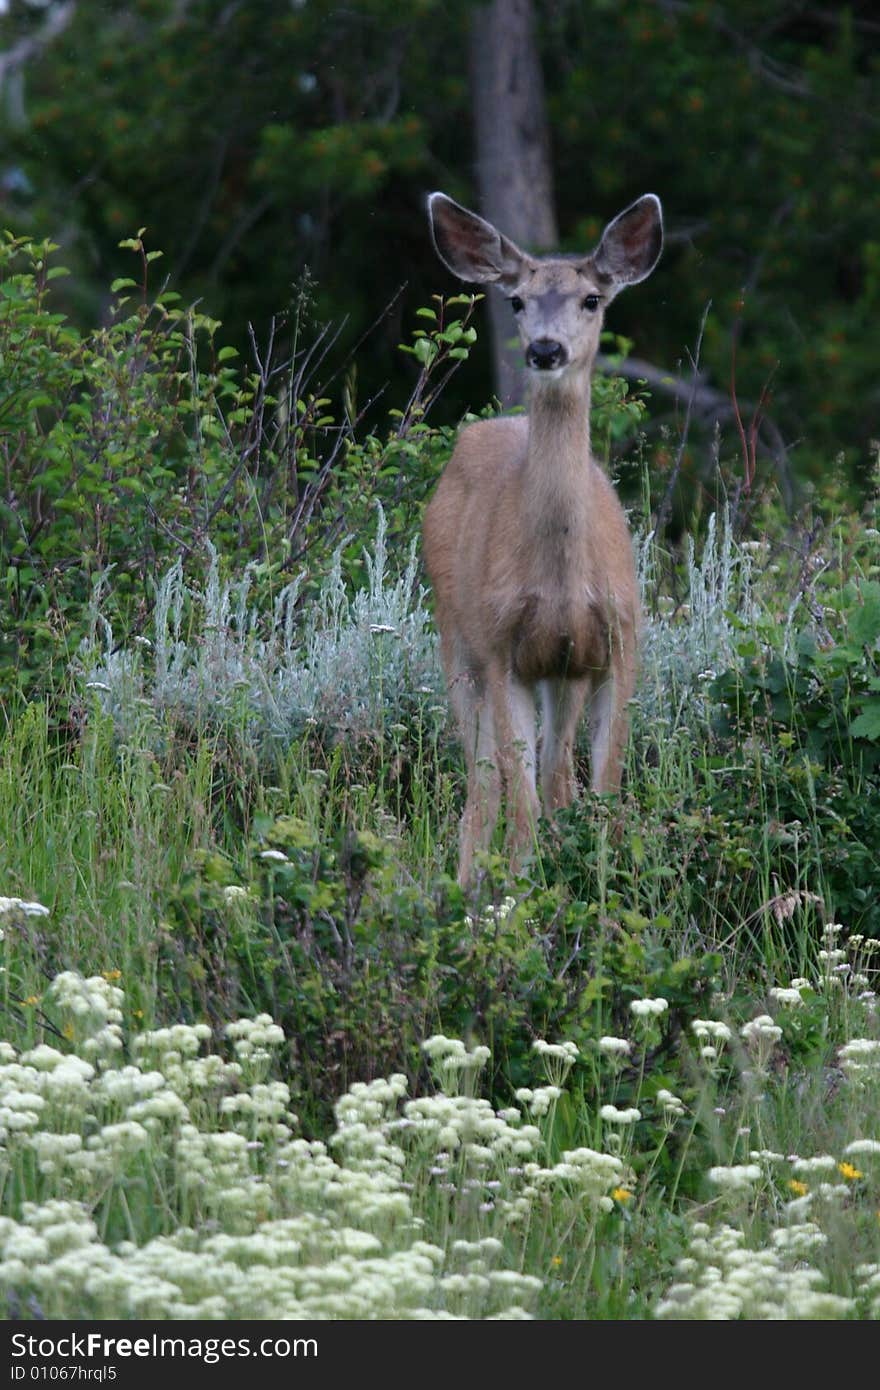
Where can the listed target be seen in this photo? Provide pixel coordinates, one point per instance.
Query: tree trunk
(514, 176)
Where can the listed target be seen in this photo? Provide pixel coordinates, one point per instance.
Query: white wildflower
(649, 1008)
(786, 996)
(613, 1116)
(761, 1029)
(8, 906)
(711, 1028)
(737, 1176)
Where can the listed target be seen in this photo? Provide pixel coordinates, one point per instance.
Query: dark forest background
(278, 153)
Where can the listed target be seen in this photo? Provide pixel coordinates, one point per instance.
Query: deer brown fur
(526, 544)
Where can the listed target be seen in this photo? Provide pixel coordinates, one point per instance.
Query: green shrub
(811, 722)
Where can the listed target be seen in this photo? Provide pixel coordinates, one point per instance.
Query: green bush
(359, 967)
(811, 721)
(141, 443)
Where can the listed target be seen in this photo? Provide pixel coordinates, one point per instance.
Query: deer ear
(631, 244)
(471, 247)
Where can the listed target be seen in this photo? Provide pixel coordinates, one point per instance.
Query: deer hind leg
(609, 718)
(562, 703)
(513, 710)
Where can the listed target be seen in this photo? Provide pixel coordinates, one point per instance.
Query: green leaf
(867, 724)
(864, 618)
(425, 350)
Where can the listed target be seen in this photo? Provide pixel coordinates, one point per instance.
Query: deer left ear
(631, 244)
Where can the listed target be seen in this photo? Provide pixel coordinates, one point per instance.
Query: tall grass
(255, 814)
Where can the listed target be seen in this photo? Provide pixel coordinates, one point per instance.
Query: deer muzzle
(546, 355)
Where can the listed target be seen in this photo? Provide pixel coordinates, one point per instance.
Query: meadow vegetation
(261, 1056)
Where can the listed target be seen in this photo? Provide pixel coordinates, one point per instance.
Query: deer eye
(591, 302)
(516, 304)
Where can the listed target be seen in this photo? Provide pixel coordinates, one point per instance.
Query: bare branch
(707, 403)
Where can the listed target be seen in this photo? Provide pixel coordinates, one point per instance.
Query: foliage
(355, 669)
(359, 968)
(160, 1173)
(812, 723)
(248, 807)
(120, 450)
(273, 140)
(679, 940)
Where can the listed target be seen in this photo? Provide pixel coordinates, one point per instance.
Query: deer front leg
(483, 790)
(609, 718)
(474, 715)
(513, 711)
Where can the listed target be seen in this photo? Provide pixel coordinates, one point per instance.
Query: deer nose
(545, 353)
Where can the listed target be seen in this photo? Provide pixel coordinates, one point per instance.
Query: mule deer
(526, 544)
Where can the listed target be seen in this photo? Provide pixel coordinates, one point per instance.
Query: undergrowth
(262, 1056)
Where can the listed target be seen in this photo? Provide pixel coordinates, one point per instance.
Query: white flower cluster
(180, 1040)
(712, 1035)
(253, 1038)
(672, 1106)
(761, 1030)
(451, 1062)
(591, 1174)
(94, 1006)
(563, 1052)
(612, 1116)
(721, 1279)
(649, 1008)
(10, 906)
(174, 1052)
(818, 1163)
(558, 1059)
(270, 1225)
(860, 1059)
(540, 1099)
(711, 1028)
(736, 1177)
(760, 1035)
(790, 996)
(841, 969)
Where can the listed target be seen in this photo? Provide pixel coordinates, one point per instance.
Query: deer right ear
(471, 247)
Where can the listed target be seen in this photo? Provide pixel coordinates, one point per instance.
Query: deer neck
(558, 474)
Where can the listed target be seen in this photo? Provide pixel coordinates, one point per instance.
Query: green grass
(209, 870)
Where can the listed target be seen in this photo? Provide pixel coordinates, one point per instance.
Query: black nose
(545, 353)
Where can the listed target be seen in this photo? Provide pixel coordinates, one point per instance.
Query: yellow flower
(799, 1189)
(111, 975)
(622, 1194)
(557, 1260)
(32, 999)
(849, 1171)
(69, 1032)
